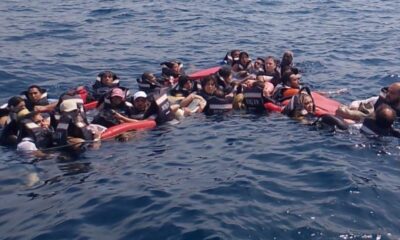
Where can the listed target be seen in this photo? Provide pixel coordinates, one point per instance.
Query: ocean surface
(239, 176)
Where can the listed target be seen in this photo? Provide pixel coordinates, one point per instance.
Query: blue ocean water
(239, 176)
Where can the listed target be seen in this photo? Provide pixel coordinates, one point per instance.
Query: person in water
(35, 134)
(217, 102)
(171, 70)
(105, 82)
(17, 110)
(290, 85)
(244, 67)
(111, 108)
(184, 87)
(287, 61)
(224, 80)
(36, 99)
(148, 83)
(73, 130)
(382, 123)
(360, 109)
(271, 73)
(232, 57)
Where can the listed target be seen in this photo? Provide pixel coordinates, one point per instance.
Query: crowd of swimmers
(32, 123)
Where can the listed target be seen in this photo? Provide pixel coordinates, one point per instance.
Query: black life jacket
(99, 89)
(106, 118)
(216, 105)
(41, 137)
(147, 86)
(161, 107)
(71, 124)
(42, 101)
(167, 71)
(253, 98)
(138, 115)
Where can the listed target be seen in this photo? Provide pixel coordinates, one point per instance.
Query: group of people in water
(32, 123)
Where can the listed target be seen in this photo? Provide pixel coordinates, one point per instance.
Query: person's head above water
(244, 58)
(107, 78)
(208, 84)
(393, 94)
(385, 116)
(291, 78)
(148, 77)
(34, 93)
(226, 73)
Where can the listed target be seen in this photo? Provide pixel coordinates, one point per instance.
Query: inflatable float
(323, 105)
(126, 127)
(203, 73)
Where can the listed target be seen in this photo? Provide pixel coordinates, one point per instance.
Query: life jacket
(295, 105)
(228, 59)
(42, 101)
(99, 89)
(106, 118)
(161, 108)
(41, 137)
(253, 98)
(216, 105)
(138, 115)
(283, 92)
(71, 124)
(246, 67)
(170, 76)
(147, 86)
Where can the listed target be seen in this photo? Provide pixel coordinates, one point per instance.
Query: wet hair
(206, 80)
(273, 59)
(182, 80)
(287, 58)
(147, 76)
(107, 73)
(225, 71)
(385, 116)
(286, 75)
(14, 101)
(41, 90)
(242, 54)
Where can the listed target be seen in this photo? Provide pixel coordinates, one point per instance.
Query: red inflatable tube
(203, 73)
(90, 106)
(273, 107)
(126, 127)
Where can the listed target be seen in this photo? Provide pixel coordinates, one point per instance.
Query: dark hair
(225, 71)
(146, 76)
(243, 54)
(286, 75)
(14, 101)
(41, 90)
(182, 80)
(207, 79)
(385, 116)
